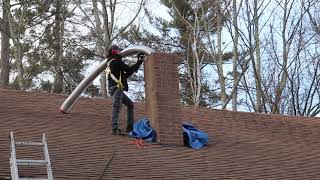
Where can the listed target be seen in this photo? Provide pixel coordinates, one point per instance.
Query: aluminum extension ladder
(14, 162)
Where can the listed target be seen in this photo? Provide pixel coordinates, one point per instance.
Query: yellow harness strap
(119, 83)
(108, 71)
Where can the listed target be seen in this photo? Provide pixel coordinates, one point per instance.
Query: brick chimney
(162, 97)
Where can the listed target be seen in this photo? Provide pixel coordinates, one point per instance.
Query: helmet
(114, 50)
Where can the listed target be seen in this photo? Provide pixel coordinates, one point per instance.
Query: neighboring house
(241, 146)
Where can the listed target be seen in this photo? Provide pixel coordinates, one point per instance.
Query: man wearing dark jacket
(118, 72)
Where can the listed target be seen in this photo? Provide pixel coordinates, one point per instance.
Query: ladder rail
(14, 162)
(46, 156)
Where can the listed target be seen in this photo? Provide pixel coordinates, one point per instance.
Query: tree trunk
(18, 58)
(99, 36)
(108, 26)
(223, 93)
(58, 47)
(16, 38)
(258, 58)
(196, 68)
(5, 47)
(284, 77)
(103, 82)
(235, 56)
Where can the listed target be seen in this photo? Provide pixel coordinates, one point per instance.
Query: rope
(115, 149)
(139, 143)
(115, 145)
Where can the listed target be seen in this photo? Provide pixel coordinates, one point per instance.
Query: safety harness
(118, 81)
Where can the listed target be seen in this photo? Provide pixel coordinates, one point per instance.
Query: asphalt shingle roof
(242, 145)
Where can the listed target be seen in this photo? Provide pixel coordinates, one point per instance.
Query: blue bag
(193, 137)
(143, 130)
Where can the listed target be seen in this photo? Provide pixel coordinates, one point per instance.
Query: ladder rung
(33, 179)
(26, 162)
(30, 143)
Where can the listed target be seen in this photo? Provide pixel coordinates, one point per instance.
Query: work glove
(140, 57)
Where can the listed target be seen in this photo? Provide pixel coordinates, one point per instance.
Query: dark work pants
(118, 97)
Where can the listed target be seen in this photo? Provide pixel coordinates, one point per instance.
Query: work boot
(122, 132)
(118, 132)
(129, 128)
(114, 132)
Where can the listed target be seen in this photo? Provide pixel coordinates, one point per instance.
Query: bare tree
(214, 48)
(303, 90)
(313, 17)
(205, 43)
(197, 63)
(99, 39)
(304, 74)
(242, 57)
(194, 51)
(222, 78)
(291, 23)
(235, 61)
(283, 67)
(257, 64)
(254, 45)
(106, 27)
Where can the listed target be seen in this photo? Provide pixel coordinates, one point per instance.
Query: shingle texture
(242, 145)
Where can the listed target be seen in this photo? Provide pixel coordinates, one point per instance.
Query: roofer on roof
(118, 72)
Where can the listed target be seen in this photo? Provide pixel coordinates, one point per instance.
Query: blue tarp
(193, 137)
(143, 130)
